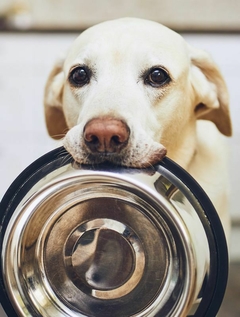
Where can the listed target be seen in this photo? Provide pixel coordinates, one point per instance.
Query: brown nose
(106, 135)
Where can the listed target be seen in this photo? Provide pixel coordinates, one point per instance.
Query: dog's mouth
(103, 157)
(111, 140)
(128, 157)
(126, 151)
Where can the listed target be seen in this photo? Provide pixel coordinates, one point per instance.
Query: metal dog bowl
(109, 241)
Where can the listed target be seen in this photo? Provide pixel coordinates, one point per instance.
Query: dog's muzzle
(109, 241)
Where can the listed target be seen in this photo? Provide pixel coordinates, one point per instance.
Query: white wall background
(79, 14)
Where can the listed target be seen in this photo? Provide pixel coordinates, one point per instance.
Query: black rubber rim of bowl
(60, 157)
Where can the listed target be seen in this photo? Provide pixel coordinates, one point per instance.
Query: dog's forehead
(129, 37)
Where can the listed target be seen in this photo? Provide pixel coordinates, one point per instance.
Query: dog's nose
(106, 135)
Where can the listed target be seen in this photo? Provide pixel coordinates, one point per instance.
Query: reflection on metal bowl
(109, 241)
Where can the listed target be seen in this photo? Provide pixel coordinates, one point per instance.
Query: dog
(131, 91)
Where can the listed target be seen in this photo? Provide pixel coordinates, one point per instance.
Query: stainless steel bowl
(109, 241)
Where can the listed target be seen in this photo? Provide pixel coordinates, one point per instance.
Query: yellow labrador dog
(130, 90)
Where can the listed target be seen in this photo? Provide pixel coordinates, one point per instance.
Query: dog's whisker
(66, 158)
(61, 152)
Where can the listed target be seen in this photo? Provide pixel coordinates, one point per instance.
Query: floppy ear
(54, 116)
(212, 100)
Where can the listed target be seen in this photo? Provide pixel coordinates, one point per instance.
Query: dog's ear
(211, 95)
(54, 116)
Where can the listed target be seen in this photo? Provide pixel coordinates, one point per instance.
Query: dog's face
(129, 90)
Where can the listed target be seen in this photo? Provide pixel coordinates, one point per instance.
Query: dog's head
(128, 90)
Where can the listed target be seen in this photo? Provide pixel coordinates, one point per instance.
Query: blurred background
(33, 33)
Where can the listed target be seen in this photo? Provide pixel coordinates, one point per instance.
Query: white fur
(185, 116)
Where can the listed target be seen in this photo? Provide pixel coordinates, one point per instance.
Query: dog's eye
(79, 76)
(157, 77)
